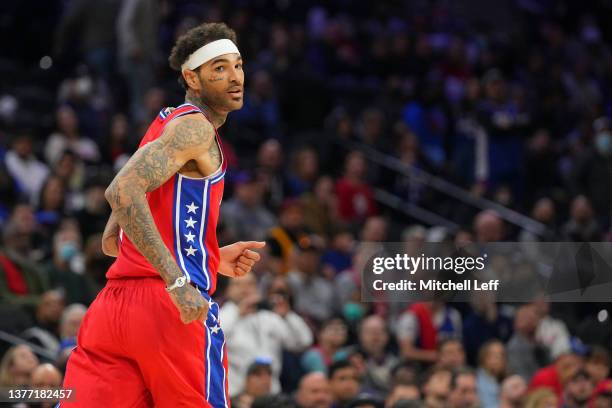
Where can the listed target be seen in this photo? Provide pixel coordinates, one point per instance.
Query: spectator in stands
(343, 383)
(597, 364)
(71, 319)
(283, 237)
(244, 215)
(551, 333)
(491, 372)
(51, 205)
(423, 326)
(68, 136)
(47, 376)
(402, 392)
(451, 354)
(436, 387)
(355, 196)
(485, 321)
(338, 256)
(373, 342)
(270, 173)
(314, 295)
(463, 392)
(556, 375)
(578, 390)
(304, 171)
(331, 337)
(602, 397)
(17, 366)
(49, 310)
(541, 398)
(582, 227)
(253, 332)
(512, 393)
(21, 281)
(321, 207)
(70, 169)
(489, 227)
(258, 383)
(93, 216)
(527, 355)
(314, 392)
(25, 168)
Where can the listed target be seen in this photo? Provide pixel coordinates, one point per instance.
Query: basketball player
(152, 337)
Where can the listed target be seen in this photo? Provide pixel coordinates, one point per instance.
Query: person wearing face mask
(66, 269)
(593, 172)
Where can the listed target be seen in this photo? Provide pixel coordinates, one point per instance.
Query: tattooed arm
(184, 139)
(109, 237)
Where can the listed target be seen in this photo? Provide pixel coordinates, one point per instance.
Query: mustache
(235, 88)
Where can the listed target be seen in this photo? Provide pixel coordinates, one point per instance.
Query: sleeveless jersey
(185, 211)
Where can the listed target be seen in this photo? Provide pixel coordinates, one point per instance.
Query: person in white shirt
(252, 331)
(29, 173)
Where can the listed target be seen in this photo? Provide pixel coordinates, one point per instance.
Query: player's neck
(217, 119)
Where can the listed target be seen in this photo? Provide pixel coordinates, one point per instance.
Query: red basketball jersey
(185, 211)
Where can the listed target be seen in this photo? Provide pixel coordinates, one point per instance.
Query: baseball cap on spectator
(259, 365)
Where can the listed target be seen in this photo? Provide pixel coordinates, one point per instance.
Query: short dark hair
(458, 373)
(336, 366)
(195, 38)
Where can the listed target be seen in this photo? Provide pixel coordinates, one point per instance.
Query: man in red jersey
(153, 337)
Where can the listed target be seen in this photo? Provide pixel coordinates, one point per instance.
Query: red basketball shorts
(134, 351)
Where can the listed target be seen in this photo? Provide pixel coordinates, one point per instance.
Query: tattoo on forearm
(150, 167)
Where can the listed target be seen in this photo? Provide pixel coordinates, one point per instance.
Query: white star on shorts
(190, 222)
(215, 329)
(191, 250)
(189, 236)
(191, 208)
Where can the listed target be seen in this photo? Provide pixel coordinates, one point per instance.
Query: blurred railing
(441, 186)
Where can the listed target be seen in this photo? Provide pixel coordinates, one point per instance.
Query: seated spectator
(402, 392)
(283, 238)
(578, 390)
(602, 396)
(70, 322)
(463, 393)
(343, 383)
(338, 256)
(314, 392)
(451, 354)
(332, 335)
(551, 333)
(373, 342)
(485, 322)
(321, 207)
(253, 332)
(541, 398)
(304, 171)
(93, 216)
(244, 214)
(47, 376)
(48, 313)
(405, 372)
(25, 168)
(423, 326)
(258, 383)
(597, 364)
(17, 366)
(314, 295)
(582, 226)
(435, 387)
(51, 205)
(556, 375)
(68, 136)
(513, 390)
(492, 364)
(273, 401)
(21, 281)
(527, 355)
(355, 196)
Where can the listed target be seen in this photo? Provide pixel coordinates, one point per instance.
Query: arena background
(363, 121)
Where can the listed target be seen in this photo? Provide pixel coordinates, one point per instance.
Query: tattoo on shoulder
(189, 132)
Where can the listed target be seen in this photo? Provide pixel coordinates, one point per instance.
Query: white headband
(208, 52)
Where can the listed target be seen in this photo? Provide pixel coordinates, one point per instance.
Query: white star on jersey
(190, 222)
(191, 250)
(190, 237)
(192, 208)
(215, 329)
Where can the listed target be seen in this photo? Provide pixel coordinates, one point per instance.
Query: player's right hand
(191, 304)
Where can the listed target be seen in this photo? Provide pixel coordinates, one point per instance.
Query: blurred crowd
(509, 100)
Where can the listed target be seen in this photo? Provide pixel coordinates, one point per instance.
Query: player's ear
(192, 79)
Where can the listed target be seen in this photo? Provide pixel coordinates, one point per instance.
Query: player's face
(222, 83)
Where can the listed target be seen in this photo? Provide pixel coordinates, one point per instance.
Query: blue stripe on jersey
(191, 215)
(176, 223)
(216, 395)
